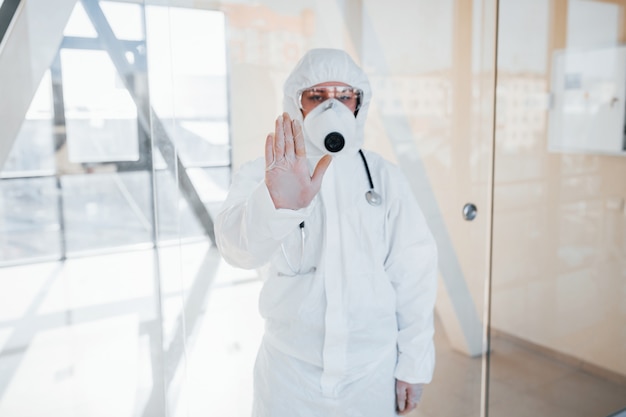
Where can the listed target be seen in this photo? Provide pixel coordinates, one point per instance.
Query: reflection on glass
(587, 89)
(29, 219)
(101, 116)
(106, 210)
(32, 151)
(188, 81)
(90, 337)
(593, 24)
(559, 241)
(126, 19)
(79, 24)
(175, 216)
(203, 142)
(212, 185)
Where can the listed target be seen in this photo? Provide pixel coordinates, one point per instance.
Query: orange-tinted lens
(311, 97)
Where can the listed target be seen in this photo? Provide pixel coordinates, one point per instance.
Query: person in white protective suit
(350, 264)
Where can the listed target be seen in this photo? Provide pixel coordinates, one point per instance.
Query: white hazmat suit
(348, 308)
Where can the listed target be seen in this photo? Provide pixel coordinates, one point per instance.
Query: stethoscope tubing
(372, 197)
(367, 169)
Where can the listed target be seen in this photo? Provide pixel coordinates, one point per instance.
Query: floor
(179, 332)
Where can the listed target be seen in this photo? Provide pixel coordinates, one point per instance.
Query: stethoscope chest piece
(373, 198)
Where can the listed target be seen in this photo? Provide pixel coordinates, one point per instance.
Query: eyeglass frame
(357, 90)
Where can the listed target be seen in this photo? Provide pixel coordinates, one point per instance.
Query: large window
(114, 125)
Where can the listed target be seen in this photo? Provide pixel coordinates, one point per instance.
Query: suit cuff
(416, 370)
(273, 222)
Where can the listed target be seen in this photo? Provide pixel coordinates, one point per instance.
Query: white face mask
(331, 129)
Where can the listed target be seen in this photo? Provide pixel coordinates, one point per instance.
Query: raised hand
(286, 169)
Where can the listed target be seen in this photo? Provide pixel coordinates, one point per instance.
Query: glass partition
(111, 286)
(432, 115)
(559, 248)
(432, 68)
(106, 255)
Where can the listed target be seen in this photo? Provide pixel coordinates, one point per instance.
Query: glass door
(558, 345)
(432, 70)
(432, 66)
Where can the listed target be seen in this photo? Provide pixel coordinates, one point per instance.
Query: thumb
(320, 170)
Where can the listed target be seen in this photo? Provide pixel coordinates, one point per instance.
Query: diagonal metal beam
(146, 114)
(28, 47)
(7, 11)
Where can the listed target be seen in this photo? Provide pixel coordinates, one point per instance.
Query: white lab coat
(338, 337)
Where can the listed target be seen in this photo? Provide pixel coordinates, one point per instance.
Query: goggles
(309, 98)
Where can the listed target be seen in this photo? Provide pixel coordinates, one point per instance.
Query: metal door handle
(469, 212)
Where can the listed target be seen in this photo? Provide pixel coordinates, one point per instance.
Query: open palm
(286, 169)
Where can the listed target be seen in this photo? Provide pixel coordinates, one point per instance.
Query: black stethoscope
(371, 196)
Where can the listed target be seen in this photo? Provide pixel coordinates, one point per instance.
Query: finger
(289, 137)
(410, 405)
(269, 150)
(406, 411)
(401, 398)
(320, 170)
(298, 139)
(279, 139)
(415, 393)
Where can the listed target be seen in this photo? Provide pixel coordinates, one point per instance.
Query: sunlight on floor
(76, 334)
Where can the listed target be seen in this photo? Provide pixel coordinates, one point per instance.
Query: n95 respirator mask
(331, 129)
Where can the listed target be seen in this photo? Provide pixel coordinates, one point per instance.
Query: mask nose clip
(329, 105)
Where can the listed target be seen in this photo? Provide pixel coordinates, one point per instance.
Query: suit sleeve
(248, 228)
(411, 263)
